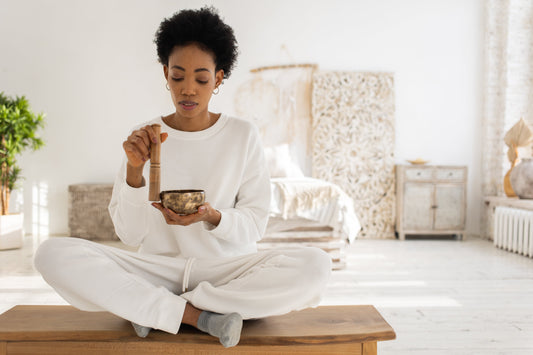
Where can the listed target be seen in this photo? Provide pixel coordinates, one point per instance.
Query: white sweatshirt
(226, 160)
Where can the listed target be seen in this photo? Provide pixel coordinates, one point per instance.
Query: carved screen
(353, 143)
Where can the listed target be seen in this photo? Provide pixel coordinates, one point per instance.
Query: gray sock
(226, 327)
(141, 330)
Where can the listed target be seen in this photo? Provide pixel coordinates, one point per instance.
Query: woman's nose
(187, 91)
(188, 88)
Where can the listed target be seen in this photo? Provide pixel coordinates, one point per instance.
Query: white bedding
(314, 200)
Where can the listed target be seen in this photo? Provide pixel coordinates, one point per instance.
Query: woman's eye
(203, 82)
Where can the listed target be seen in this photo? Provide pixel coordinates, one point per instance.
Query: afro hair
(203, 27)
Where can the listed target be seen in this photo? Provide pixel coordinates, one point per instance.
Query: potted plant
(18, 127)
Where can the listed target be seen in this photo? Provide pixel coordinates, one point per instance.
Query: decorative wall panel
(353, 143)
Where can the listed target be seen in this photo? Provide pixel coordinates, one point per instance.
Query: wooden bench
(66, 330)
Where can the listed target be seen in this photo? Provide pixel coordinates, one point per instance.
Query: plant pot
(11, 231)
(522, 179)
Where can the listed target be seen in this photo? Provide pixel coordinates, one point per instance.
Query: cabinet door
(417, 202)
(450, 212)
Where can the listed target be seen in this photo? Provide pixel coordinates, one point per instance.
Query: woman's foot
(226, 327)
(141, 330)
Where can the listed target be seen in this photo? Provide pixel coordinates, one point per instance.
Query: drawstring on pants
(187, 274)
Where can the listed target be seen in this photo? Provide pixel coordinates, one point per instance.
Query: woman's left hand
(206, 213)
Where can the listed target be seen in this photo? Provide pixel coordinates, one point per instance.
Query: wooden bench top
(327, 325)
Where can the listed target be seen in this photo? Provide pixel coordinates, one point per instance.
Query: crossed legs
(147, 289)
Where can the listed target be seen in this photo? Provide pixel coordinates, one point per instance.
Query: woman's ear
(219, 76)
(165, 71)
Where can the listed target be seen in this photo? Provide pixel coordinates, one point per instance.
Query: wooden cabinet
(430, 200)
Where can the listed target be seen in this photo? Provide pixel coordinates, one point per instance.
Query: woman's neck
(191, 124)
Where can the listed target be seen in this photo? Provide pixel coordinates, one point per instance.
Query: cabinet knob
(434, 206)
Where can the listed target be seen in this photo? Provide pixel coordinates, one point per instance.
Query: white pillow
(280, 163)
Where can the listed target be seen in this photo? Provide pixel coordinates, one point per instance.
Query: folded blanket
(316, 200)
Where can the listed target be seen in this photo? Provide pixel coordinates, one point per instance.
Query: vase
(507, 188)
(522, 179)
(11, 231)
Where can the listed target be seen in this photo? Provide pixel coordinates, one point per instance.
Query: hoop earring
(216, 91)
(167, 86)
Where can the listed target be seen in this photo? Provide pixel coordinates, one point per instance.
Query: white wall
(91, 67)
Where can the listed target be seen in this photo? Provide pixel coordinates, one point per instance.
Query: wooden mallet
(155, 165)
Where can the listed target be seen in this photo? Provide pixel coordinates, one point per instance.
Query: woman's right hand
(137, 146)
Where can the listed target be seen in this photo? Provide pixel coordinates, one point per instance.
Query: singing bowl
(182, 201)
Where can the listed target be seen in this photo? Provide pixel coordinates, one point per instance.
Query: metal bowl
(182, 201)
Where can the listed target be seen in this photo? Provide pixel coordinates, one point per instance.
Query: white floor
(440, 296)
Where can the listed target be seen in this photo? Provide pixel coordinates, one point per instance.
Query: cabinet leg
(402, 236)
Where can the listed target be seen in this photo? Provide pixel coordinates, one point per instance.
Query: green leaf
(18, 131)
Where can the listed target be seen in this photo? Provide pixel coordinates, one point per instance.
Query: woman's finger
(167, 214)
(142, 134)
(141, 142)
(157, 205)
(134, 156)
(173, 218)
(152, 136)
(186, 220)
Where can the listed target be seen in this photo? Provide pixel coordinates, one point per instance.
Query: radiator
(513, 230)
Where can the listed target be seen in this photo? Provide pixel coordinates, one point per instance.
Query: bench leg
(370, 348)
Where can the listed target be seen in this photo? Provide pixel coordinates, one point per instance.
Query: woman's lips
(188, 105)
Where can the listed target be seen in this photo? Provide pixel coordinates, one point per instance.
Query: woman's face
(192, 77)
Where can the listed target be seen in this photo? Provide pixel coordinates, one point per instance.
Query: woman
(201, 269)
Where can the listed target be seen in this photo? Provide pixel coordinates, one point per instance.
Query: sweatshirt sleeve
(246, 222)
(128, 209)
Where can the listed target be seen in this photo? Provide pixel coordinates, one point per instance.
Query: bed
(307, 211)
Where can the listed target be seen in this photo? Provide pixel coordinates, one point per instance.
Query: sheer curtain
(508, 87)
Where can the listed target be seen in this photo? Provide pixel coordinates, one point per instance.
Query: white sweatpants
(152, 290)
